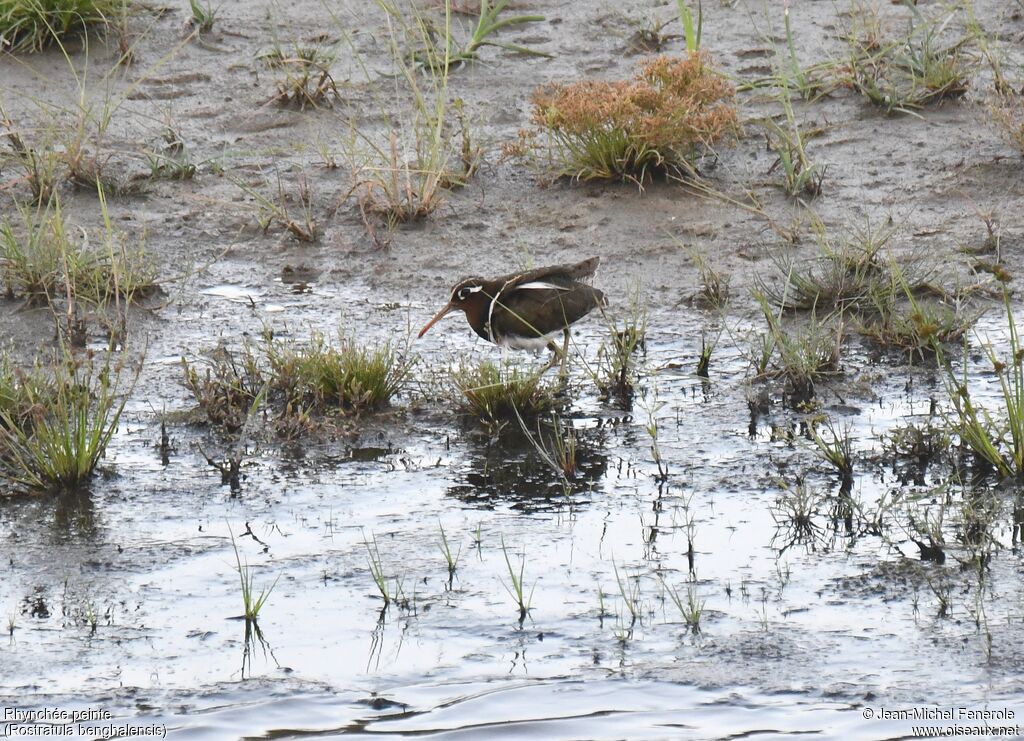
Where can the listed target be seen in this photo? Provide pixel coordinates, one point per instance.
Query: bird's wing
(538, 308)
(558, 273)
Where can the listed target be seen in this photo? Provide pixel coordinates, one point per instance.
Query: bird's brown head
(469, 295)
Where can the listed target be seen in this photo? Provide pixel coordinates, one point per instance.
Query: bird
(527, 310)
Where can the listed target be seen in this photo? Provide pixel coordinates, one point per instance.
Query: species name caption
(960, 716)
(60, 723)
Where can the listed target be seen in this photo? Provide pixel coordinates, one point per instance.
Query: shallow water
(126, 597)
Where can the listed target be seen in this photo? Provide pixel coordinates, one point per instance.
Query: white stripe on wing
(541, 284)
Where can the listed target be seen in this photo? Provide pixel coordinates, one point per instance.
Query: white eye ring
(463, 293)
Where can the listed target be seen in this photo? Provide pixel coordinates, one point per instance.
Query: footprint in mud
(169, 88)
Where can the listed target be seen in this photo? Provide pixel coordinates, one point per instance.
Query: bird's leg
(564, 370)
(555, 354)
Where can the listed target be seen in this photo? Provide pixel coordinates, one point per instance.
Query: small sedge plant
(488, 23)
(405, 173)
(252, 601)
(426, 51)
(706, 351)
(23, 393)
(919, 443)
(714, 290)
(173, 160)
(802, 177)
(629, 590)
(40, 163)
(837, 449)
(377, 572)
(1007, 111)
(304, 74)
(498, 393)
(652, 406)
(59, 445)
(693, 24)
(557, 450)
(516, 586)
(451, 559)
(897, 303)
(795, 510)
(810, 82)
(913, 324)
(910, 72)
(690, 607)
(204, 15)
(998, 439)
(33, 249)
(845, 272)
(802, 356)
(43, 263)
(616, 370)
(226, 386)
(345, 375)
(273, 206)
(648, 33)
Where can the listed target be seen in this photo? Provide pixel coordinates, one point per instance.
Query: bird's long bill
(437, 317)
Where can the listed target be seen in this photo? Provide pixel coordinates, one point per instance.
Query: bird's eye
(463, 293)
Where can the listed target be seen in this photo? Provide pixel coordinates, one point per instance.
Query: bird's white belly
(535, 344)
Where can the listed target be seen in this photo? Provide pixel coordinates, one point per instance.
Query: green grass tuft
(33, 25)
(60, 441)
(497, 394)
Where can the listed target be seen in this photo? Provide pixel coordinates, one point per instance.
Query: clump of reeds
(662, 121)
(498, 394)
(346, 375)
(293, 380)
(922, 67)
(55, 424)
(906, 304)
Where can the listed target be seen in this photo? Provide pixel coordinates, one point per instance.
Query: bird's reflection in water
(510, 468)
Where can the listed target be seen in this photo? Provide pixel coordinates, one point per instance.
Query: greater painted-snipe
(527, 310)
